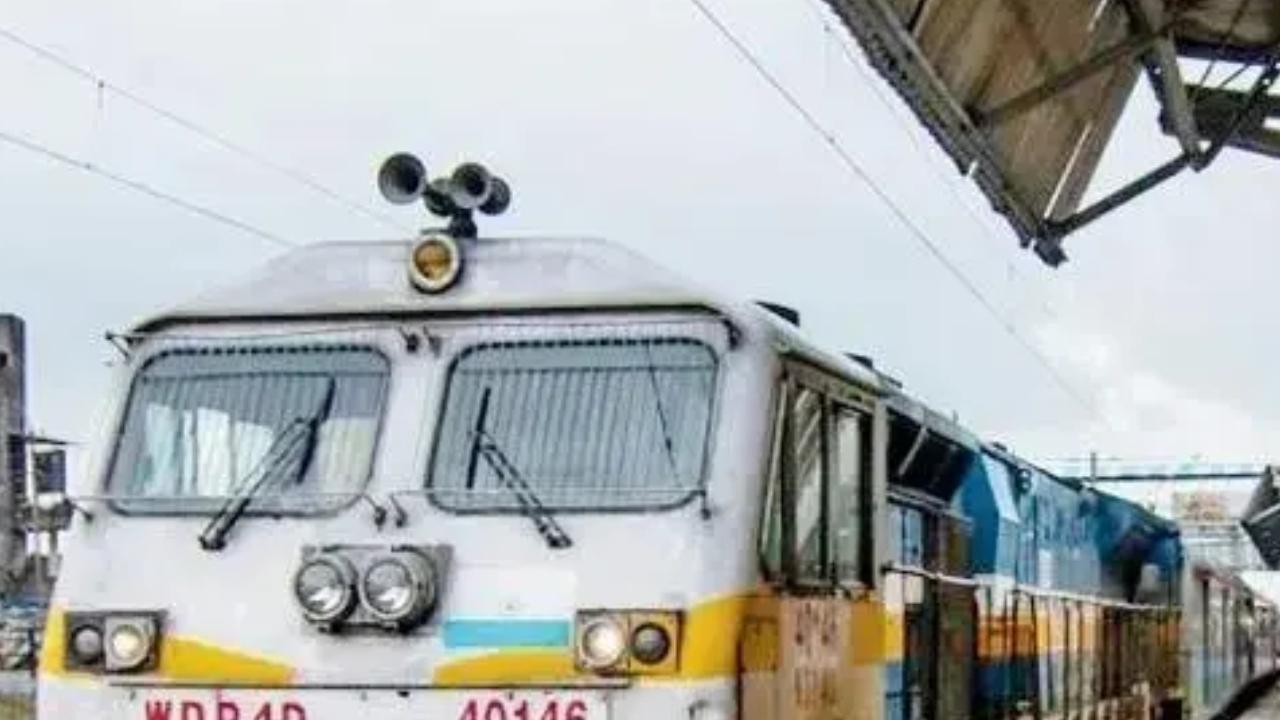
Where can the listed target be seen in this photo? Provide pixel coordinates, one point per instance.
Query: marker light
(130, 643)
(435, 263)
(650, 643)
(111, 641)
(628, 642)
(86, 645)
(399, 588)
(602, 643)
(325, 588)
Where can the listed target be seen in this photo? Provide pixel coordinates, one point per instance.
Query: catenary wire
(191, 126)
(916, 232)
(921, 151)
(143, 188)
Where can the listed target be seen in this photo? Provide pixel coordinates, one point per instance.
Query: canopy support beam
(1245, 111)
(1025, 102)
(1166, 77)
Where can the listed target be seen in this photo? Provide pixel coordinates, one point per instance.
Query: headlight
(131, 643)
(325, 588)
(398, 588)
(602, 643)
(435, 263)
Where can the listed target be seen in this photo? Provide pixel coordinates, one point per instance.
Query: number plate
(249, 704)
(531, 706)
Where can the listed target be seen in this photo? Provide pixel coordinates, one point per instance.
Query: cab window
(849, 499)
(298, 423)
(809, 445)
(816, 519)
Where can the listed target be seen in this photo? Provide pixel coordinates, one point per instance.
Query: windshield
(201, 421)
(581, 425)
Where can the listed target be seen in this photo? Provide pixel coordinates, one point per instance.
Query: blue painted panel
(506, 633)
(894, 703)
(986, 496)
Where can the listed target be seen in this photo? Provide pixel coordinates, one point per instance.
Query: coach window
(848, 502)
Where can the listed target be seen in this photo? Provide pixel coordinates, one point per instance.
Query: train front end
(332, 492)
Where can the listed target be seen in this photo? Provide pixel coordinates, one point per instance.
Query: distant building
(28, 465)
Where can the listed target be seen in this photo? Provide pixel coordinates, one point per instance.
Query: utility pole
(13, 456)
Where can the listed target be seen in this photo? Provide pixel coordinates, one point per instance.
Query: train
(461, 477)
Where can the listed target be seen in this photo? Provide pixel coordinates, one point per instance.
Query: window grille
(608, 424)
(205, 424)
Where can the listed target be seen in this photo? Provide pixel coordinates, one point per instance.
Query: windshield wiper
(483, 445)
(662, 413)
(301, 432)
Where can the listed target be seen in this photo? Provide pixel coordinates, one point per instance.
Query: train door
(932, 609)
(817, 541)
(957, 622)
(910, 653)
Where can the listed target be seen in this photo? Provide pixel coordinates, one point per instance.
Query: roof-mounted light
(435, 263)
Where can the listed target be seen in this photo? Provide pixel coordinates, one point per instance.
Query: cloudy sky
(634, 121)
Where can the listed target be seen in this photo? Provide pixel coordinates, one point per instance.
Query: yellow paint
(181, 660)
(760, 633)
(186, 660)
(868, 641)
(893, 647)
(53, 648)
(711, 635)
(508, 667)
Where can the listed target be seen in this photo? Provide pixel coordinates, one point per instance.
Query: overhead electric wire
(143, 188)
(191, 126)
(916, 232)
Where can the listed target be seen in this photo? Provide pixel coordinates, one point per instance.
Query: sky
(635, 121)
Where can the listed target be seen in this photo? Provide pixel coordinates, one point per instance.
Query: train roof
(370, 280)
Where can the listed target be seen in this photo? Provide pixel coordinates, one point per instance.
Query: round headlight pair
(396, 588)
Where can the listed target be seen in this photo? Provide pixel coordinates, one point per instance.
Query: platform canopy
(1262, 518)
(1025, 94)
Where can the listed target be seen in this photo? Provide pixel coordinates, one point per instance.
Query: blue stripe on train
(506, 633)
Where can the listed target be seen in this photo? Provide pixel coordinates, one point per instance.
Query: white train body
(360, 366)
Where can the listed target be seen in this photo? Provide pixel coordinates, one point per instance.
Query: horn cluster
(403, 179)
